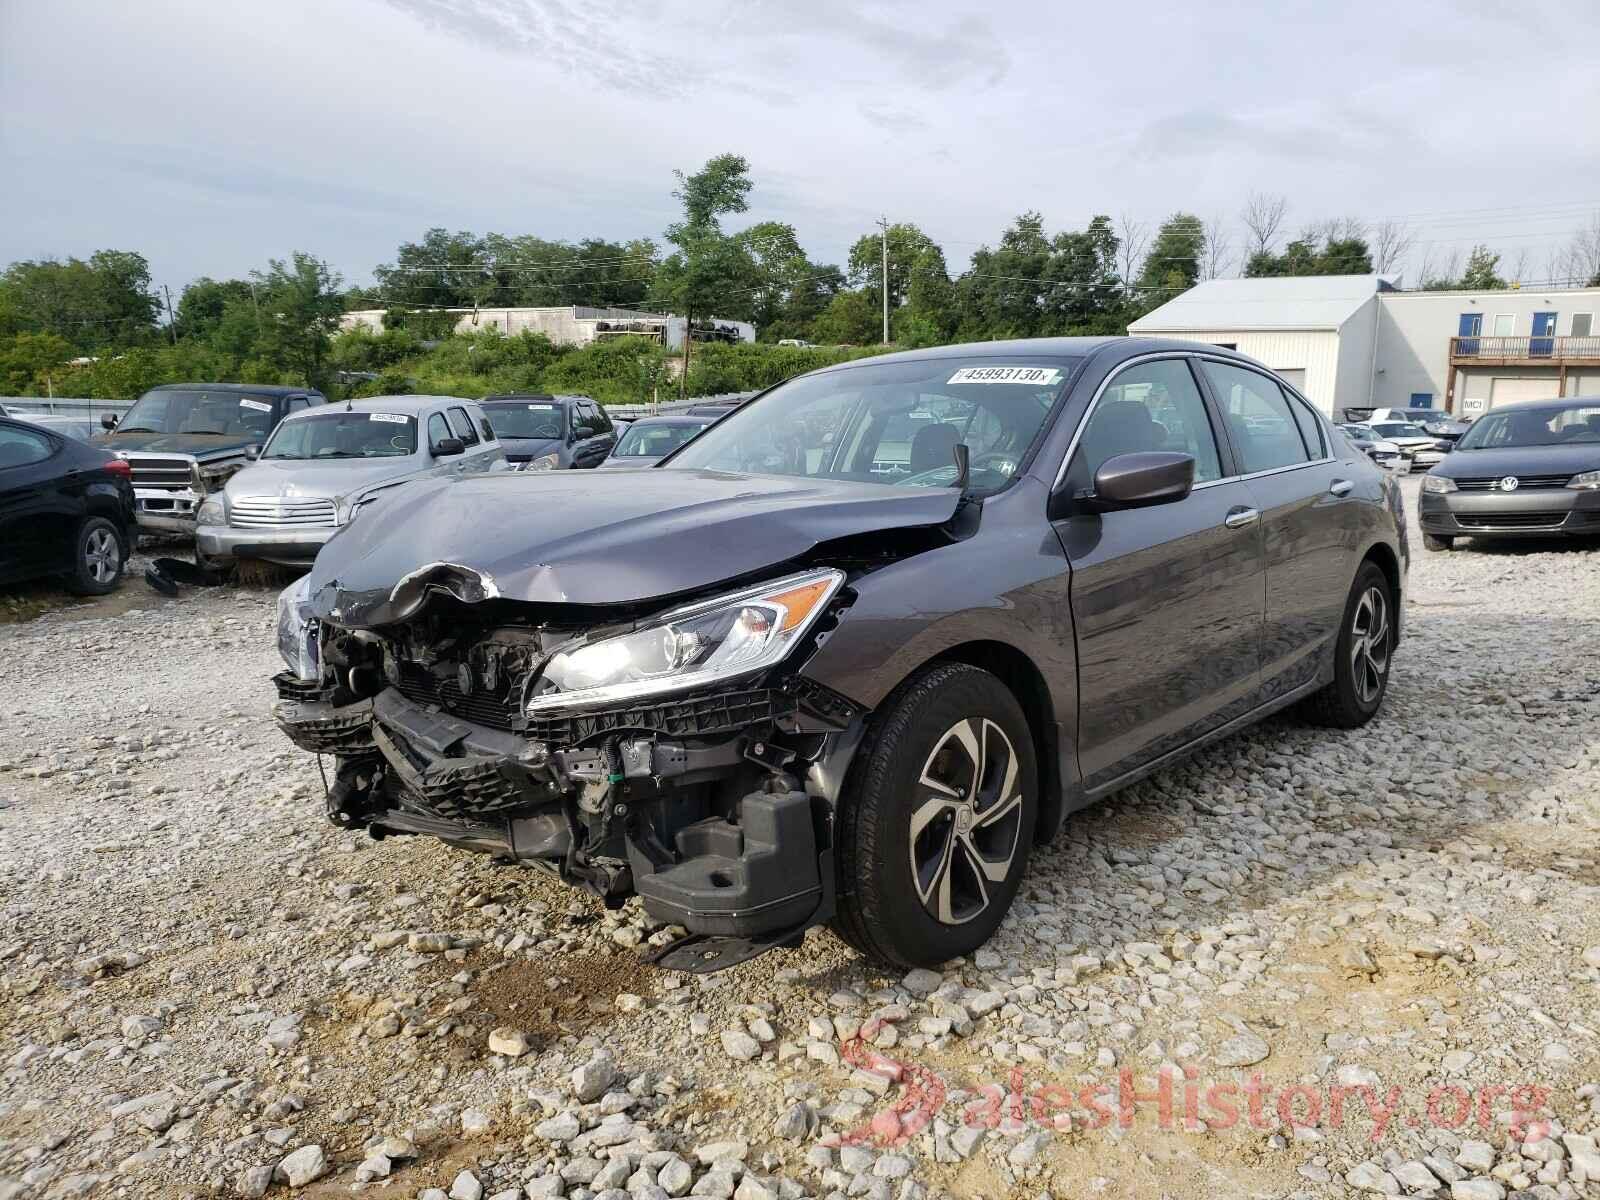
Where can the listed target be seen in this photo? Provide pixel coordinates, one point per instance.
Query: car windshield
(1399, 429)
(344, 434)
(178, 410)
(892, 423)
(656, 440)
(1573, 424)
(1360, 434)
(527, 420)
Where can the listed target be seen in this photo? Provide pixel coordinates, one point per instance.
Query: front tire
(937, 821)
(1363, 655)
(97, 558)
(1438, 541)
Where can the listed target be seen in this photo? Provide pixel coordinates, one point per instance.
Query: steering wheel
(997, 463)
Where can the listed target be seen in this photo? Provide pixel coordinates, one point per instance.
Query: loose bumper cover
(765, 873)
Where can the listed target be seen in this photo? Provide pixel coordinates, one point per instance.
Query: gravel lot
(207, 989)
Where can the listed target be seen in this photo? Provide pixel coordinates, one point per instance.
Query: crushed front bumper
(757, 875)
(166, 510)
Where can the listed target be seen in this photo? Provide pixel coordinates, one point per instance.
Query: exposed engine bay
(712, 802)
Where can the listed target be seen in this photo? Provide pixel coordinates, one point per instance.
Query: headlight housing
(1438, 483)
(1587, 481)
(298, 630)
(213, 510)
(545, 462)
(689, 647)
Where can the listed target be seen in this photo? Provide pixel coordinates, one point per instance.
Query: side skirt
(1234, 726)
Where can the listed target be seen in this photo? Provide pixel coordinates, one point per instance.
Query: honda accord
(785, 679)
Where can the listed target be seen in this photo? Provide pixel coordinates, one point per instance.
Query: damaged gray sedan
(847, 656)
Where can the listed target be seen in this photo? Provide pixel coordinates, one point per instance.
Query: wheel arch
(1388, 562)
(1026, 682)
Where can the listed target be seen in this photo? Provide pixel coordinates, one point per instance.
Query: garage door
(1510, 391)
(1295, 377)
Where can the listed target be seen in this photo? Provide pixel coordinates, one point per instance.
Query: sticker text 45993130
(1031, 376)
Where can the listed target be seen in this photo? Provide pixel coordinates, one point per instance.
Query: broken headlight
(297, 630)
(689, 647)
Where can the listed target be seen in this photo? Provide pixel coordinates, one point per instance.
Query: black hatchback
(550, 433)
(66, 508)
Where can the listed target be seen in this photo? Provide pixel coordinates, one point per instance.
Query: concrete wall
(1353, 378)
(1314, 351)
(1415, 328)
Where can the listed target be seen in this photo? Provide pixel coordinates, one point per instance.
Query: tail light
(119, 466)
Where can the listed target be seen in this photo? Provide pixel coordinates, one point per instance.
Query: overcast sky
(212, 136)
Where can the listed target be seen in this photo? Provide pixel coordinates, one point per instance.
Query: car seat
(933, 446)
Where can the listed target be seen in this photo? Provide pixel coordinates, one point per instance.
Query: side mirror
(582, 431)
(252, 451)
(108, 421)
(1446, 445)
(1139, 480)
(445, 447)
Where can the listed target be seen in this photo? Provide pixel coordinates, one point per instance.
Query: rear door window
(1263, 429)
(1310, 428)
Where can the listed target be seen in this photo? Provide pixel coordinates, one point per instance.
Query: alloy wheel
(102, 555)
(1369, 644)
(966, 822)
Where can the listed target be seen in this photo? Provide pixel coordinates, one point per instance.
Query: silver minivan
(322, 466)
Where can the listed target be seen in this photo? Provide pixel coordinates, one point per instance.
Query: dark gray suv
(848, 655)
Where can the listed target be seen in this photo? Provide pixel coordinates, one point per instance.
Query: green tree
(1307, 256)
(205, 302)
(1481, 273)
(27, 358)
(104, 301)
(852, 318)
(300, 309)
(907, 245)
(1173, 262)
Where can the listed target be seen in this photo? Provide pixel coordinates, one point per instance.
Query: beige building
(567, 326)
(1352, 343)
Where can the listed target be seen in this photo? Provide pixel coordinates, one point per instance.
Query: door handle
(1340, 487)
(1238, 518)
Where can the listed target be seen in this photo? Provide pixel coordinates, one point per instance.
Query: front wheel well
(1018, 672)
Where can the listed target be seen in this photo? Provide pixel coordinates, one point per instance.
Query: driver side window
(437, 430)
(1150, 406)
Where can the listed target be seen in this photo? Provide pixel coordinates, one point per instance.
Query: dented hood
(585, 537)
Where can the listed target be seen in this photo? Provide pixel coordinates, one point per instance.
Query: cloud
(893, 120)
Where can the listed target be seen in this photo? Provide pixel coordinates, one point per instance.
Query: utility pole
(172, 322)
(883, 223)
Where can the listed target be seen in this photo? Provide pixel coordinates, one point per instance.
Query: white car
(1418, 447)
(321, 466)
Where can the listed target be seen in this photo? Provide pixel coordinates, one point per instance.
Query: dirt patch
(566, 994)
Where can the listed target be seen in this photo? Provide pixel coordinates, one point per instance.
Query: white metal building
(1355, 342)
(1315, 330)
(567, 325)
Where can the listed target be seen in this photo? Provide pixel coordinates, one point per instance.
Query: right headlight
(545, 462)
(297, 630)
(1438, 483)
(1588, 481)
(213, 510)
(689, 647)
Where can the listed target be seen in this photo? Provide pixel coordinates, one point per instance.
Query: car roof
(1054, 347)
(404, 405)
(1547, 405)
(673, 419)
(252, 389)
(524, 397)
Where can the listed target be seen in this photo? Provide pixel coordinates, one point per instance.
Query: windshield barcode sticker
(392, 418)
(255, 404)
(1031, 376)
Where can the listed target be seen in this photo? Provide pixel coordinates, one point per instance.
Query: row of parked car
(271, 473)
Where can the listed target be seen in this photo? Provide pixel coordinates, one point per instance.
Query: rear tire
(1362, 655)
(937, 820)
(1438, 541)
(97, 559)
